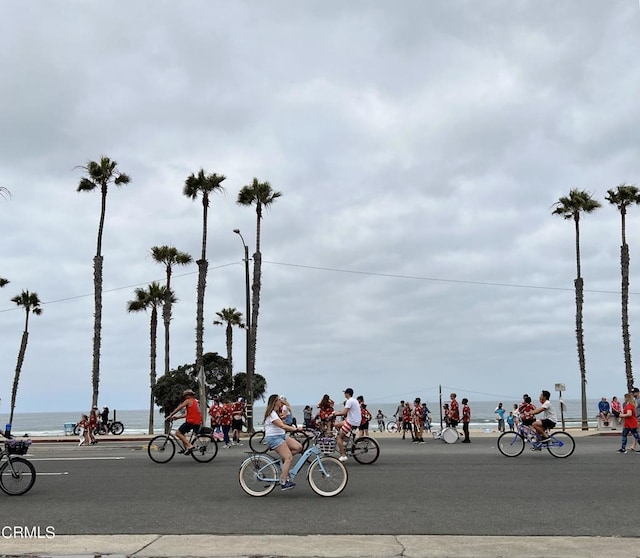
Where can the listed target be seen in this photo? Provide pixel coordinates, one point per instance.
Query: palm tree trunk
(202, 284)
(626, 337)
(166, 317)
(16, 377)
(581, 359)
(152, 358)
(97, 327)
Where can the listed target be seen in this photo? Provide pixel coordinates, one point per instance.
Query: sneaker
(288, 485)
(188, 451)
(342, 458)
(226, 446)
(637, 451)
(622, 450)
(233, 443)
(239, 444)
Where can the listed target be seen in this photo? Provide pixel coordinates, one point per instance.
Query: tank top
(193, 412)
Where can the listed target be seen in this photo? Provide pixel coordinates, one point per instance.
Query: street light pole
(249, 371)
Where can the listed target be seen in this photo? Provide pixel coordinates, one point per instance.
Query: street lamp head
(237, 231)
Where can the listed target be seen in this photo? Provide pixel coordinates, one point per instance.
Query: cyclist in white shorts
(353, 417)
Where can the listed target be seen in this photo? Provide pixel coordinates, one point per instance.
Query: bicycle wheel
(117, 428)
(76, 430)
(101, 430)
(257, 443)
(17, 478)
(161, 449)
(510, 444)
(332, 480)
(259, 475)
(365, 450)
(561, 444)
(392, 426)
(205, 448)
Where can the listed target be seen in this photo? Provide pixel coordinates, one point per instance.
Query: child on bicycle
(548, 414)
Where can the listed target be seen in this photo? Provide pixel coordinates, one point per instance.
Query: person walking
(500, 417)
(418, 422)
(466, 419)
(380, 416)
(630, 423)
(454, 411)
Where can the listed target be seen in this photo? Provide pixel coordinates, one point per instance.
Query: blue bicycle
(326, 475)
(559, 444)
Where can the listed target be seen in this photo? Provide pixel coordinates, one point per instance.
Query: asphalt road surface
(436, 488)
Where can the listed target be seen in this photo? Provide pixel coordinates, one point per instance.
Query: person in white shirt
(548, 417)
(352, 419)
(275, 435)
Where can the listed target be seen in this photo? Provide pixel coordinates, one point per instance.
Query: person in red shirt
(192, 416)
(226, 418)
(525, 410)
(418, 422)
(406, 421)
(454, 411)
(466, 419)
(630, 422)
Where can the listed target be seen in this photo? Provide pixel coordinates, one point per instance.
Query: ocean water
(137, 421)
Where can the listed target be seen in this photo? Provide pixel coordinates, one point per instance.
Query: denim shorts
(274, 441)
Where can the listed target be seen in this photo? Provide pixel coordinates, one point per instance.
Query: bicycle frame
(313, 450)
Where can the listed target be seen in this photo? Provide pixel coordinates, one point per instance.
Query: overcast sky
(419, 148)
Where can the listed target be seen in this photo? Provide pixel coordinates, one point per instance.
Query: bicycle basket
(17, 447)
(326, 445)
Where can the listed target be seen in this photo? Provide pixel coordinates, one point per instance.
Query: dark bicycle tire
(365, 450)
(510, 444)
(205, 448)
(561, 445)
(100, 430)
(20, 480)
(117, 428)
(304, 439)
(161, 449)
(257, 443)
(76, 430)
(392, 426)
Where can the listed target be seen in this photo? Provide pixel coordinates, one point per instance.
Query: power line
(350, 271)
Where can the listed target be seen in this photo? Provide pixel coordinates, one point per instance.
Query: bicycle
(260, 473)
(162, 448)
(393, 426)
(363, 449)
(17, 475)
(511, 444)
(258, 445)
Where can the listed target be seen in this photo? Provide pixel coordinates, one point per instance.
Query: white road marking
(76, 458)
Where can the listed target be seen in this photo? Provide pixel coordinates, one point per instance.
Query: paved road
(433, 489)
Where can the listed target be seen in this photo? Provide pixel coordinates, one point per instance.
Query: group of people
(276, 428)
(606, 411)
(412, 420)
(88, 424)
(324, 418)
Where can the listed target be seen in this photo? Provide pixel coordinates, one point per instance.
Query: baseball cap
(635, 390)
(349, 391)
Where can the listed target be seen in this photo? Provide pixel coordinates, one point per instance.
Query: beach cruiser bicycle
(111, 427)
(327, 476)
(17, 474)
(162, 448)
(559, 444)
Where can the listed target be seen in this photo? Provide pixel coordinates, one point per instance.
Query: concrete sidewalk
(322, 546)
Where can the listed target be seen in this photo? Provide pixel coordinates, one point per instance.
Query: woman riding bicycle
(275, 435)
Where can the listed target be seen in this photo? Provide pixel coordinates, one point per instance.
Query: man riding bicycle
(548, 416)
(192, 416)
(353, 417)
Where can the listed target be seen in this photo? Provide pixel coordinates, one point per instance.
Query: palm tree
(3, 281)
(262, 196)
(31, 304)
(570, 207)
(195, 185)
(168, 256)
(99, 176)
(622, 197)
(152, 297)
(4, 192)
(231, 317)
